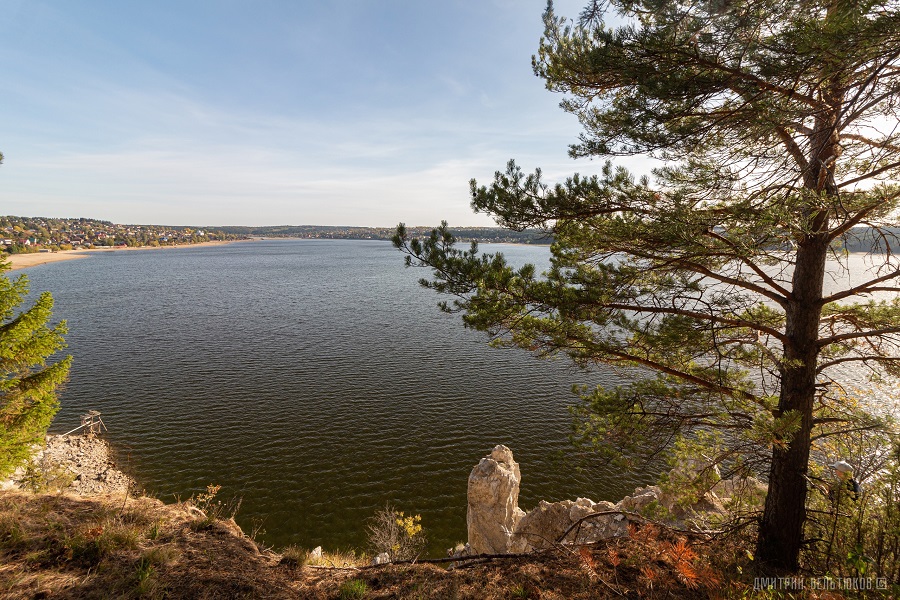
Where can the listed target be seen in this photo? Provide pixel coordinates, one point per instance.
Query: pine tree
(28, 386)
(776, 124)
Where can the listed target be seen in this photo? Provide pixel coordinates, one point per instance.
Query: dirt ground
(64, 546)
(90, 537)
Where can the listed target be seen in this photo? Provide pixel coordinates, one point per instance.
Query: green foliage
(774, 126)
(144, 572)
(353, 589)
(91, 545)
(154, 530)
(28, 386)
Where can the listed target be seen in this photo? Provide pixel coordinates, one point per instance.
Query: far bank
(34, 259)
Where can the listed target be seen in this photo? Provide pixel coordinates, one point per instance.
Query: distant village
(39, 234)
(42, 234)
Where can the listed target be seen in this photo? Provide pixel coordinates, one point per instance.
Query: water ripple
(315, 379)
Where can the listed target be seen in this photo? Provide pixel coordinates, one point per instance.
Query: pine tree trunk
(781, 528)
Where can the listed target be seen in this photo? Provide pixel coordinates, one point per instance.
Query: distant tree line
(859, 239)
(481, 234)
(66, 233)
(867, 239)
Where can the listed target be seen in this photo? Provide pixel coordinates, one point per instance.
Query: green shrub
(393, 532)
(145, 582)
(154, 529)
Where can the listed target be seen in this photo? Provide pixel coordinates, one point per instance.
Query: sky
(349, 112)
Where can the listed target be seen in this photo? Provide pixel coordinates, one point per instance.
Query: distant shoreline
(34, 259)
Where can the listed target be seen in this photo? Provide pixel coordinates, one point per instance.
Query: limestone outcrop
(546, 524)
(496, 524)
(493, 502)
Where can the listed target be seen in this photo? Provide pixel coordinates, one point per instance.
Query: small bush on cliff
(212, 509)
(28, 386)
(394, 533)
(295, 556)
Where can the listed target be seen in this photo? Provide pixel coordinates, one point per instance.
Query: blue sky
(350, 112)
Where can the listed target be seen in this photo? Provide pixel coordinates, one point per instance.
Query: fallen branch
(435, 561)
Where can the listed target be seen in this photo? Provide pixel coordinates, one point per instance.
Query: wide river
(314, 378)
(318, 381)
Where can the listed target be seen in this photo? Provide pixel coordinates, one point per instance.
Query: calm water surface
(315, 379)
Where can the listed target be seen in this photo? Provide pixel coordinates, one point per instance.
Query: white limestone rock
(496, 524)
(546, 524)
(541, 527)
(493, 502)
(642, 498)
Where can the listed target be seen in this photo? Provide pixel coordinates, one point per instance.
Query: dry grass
(67, 547)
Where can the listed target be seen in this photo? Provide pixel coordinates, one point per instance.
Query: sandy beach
(24, 261)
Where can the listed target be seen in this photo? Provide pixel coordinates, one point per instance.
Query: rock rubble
(79, 464)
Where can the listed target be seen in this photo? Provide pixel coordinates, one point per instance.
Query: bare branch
(862, 288)
(883, 145)
(756, 269)
(857, 334)
(863, 359)
(869, 175)
(858, 217)
(699, 315)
